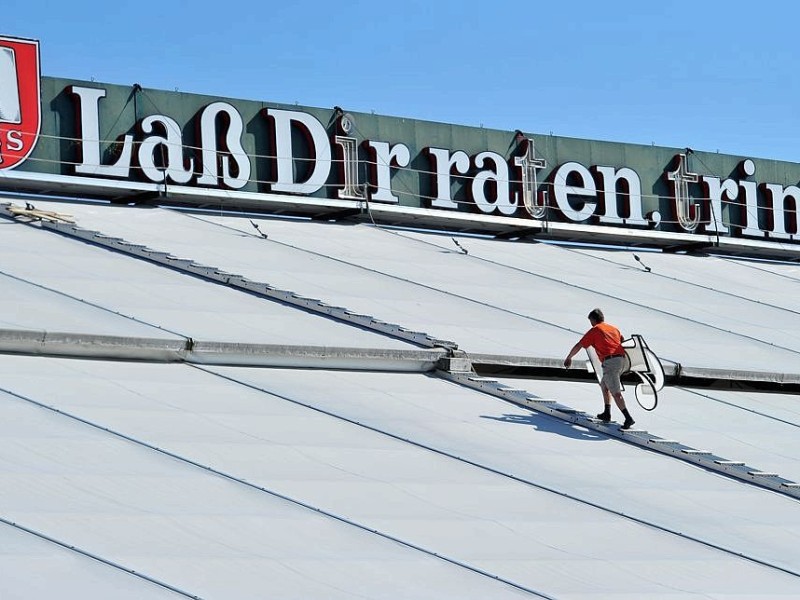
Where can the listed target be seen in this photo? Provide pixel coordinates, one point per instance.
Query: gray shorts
(612, 369)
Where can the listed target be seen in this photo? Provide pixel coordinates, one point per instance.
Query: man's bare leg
(606, 414)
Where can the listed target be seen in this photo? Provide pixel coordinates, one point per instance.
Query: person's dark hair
(597, 315)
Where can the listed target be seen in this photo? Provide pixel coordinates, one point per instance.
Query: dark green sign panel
(123, 143)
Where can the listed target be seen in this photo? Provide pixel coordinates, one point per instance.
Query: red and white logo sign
(20, 100)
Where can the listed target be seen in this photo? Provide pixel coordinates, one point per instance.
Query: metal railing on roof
(639, 437)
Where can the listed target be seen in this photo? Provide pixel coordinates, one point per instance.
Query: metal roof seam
(692, 283)
(748, 265)
(749, 410)
(100, 559)
(89, 303)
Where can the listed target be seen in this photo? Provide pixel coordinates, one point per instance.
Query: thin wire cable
(789, 211)
(747, 263)
(690, 283)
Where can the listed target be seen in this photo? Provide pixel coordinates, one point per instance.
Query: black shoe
(605, 417)
(628, 423)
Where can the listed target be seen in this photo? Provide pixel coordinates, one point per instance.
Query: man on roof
(607, 342)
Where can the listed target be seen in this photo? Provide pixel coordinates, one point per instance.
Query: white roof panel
(61, 284)
(201, 533)
(524, 497)
(685, 308)
(387, 297)
(501, 298)
(759, 282)
(546, 451)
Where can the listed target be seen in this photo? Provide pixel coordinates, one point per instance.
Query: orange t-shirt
(605, 338)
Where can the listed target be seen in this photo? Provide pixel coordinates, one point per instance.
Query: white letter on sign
(319, 146)
(631, 184)
(782, 203)
(89, 124)
(497, 181)
(231, 148)
(383, 158)
(171, 163)
(443, 164)
(562, 191)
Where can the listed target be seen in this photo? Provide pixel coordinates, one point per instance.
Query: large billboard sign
(122, 142)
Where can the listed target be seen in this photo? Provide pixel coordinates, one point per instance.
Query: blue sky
(714, 75)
